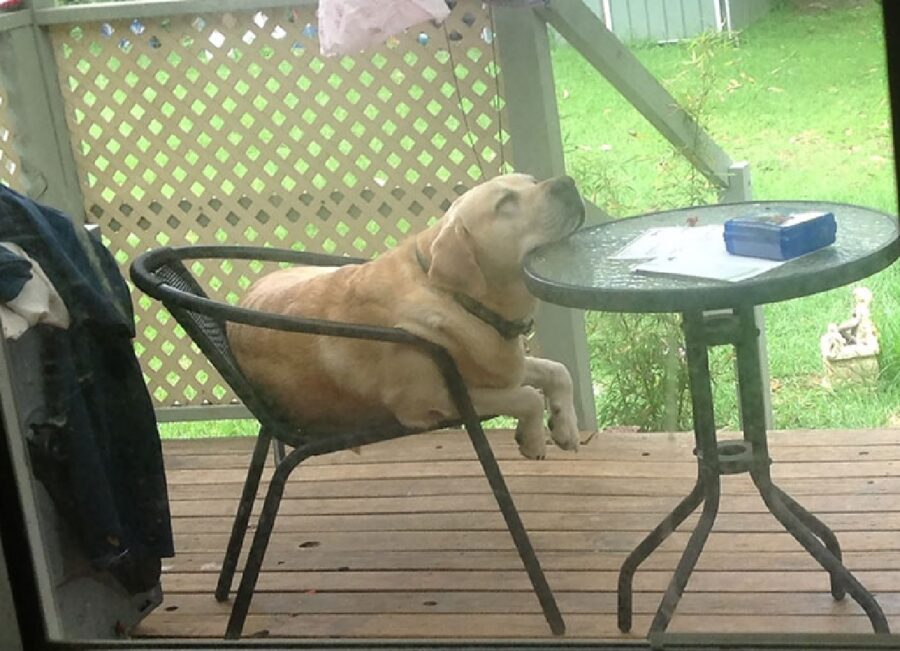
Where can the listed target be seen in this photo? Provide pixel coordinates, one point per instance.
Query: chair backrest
(209, 333)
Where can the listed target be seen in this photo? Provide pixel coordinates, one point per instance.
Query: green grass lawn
(802, 96)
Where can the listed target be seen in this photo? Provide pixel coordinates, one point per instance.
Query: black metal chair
(162, 274)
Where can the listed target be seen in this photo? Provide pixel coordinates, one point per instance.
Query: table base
(716, 458)
(813, 534)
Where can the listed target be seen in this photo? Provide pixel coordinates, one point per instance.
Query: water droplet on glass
(154, 42)
(199, 23)
(423, 39)
(106, 29)
(487, 35)
(297, 48)
(468, 18)
(310, 31)
(137, 27)
(125, 45)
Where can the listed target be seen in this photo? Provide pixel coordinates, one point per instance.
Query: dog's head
(487, 232)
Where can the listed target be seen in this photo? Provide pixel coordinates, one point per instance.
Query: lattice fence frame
(230, 128)
(10, 158)
(10, 162)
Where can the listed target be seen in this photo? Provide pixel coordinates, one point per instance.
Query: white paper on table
(670, 240)
(695, 251)
(716, 264)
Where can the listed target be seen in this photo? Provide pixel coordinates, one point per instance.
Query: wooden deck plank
(501, 439)
(502, 581)
(677, 452)
(494, 626)
(534, 522)
(405, 541)
(526, 503)
(618, 541)
(524, 602)
(362, 560)
(556, 469)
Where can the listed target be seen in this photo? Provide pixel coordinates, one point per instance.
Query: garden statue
(850, 349)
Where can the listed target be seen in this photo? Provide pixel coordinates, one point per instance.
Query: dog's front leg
(524, 403)
(553, 379)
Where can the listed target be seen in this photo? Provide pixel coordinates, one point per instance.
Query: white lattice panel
(231, 128)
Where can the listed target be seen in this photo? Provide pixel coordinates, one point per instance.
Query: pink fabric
(348, 26)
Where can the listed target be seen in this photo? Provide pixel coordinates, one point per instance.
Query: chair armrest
(144, 276)
(155, 258)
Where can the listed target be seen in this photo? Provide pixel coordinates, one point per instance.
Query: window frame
(19, 584)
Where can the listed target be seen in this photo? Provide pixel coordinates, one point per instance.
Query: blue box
(779, 236)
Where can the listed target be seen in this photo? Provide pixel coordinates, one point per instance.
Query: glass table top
(579, 272)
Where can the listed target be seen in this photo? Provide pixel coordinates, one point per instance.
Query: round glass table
(581, 272)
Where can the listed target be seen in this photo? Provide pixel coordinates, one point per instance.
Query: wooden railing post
(41, 137)
(523, 51)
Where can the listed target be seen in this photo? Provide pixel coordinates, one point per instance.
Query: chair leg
(460, 396)
(515, 526)
(261, 541)
(278, 452)
(242, 517)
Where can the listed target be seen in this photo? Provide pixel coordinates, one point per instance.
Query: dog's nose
(564, 180)
(563, 188)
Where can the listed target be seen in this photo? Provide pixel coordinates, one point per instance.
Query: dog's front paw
(532, 442)
(563, 426)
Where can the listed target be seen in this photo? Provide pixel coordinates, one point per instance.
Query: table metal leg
(801, 524)
(689, 557)
(772, 497)
(648, 545)
(706, 489)
(824, 533)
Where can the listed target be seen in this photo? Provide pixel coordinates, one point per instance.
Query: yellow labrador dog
(459, 284)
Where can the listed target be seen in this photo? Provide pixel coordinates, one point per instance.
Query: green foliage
(207, 428)
(641, 376)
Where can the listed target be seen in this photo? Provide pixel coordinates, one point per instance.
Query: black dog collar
(504, 327)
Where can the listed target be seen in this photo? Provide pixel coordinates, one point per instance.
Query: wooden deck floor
(405, 541)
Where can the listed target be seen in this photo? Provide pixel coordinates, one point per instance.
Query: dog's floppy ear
(453, 262)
